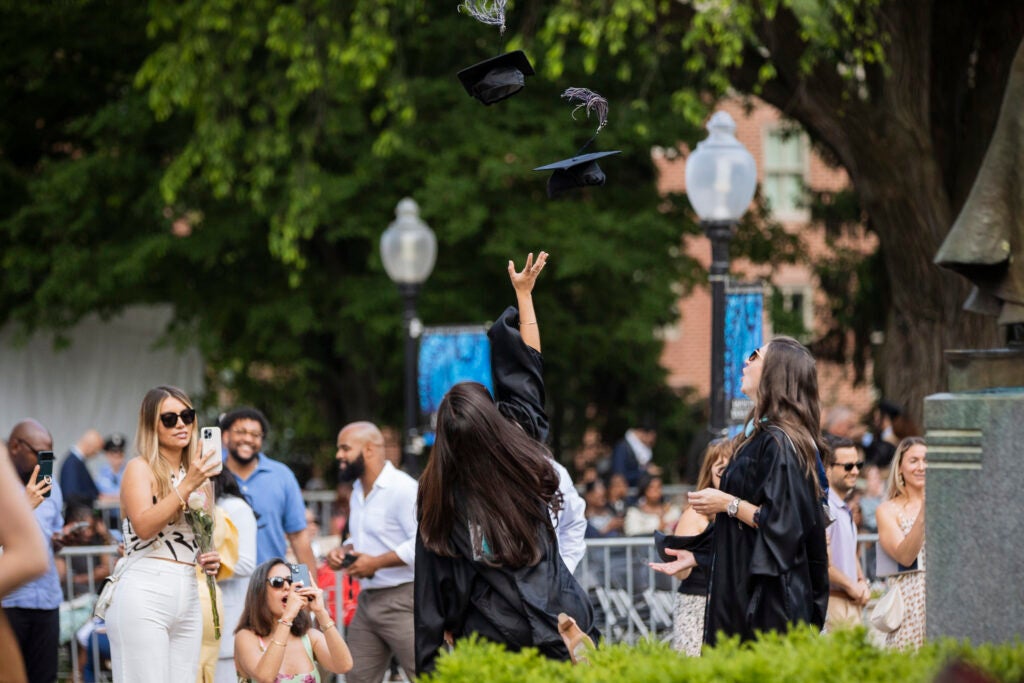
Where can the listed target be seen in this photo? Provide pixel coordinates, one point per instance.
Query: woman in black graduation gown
(770, 566)
(487, 557)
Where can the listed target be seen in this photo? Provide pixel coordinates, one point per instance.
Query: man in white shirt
(380, 552)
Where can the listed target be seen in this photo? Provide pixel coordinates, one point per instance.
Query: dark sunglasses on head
(754, 355)
(188, 416)
(279, 581)
(848, 466)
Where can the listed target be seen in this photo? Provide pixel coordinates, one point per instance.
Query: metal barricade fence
(631, 601)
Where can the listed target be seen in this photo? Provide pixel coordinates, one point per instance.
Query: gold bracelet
(275, 642)
(532, 322)
(328, 626)
(286, 623)
(184, 506)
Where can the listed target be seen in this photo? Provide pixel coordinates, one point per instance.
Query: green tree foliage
(240, 160)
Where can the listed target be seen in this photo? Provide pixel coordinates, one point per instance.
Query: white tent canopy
(98, 381)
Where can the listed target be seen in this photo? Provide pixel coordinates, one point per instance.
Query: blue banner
(449, 355)
(744, 332)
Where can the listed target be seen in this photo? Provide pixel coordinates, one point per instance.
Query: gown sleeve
(785, 502)
(435, 604)
(518, 373)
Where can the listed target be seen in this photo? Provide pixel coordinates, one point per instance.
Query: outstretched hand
(685, 562)
(524, 280)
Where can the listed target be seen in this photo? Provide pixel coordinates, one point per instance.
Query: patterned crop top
(174, 542)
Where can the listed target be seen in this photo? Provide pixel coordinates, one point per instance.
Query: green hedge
(801, 656)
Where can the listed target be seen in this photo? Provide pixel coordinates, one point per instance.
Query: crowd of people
(219, 579)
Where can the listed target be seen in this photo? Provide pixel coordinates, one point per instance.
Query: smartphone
(211, 441)
(300, 572)
(349, 560)
(45, 468)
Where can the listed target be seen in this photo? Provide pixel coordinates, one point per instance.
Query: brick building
(785, 165)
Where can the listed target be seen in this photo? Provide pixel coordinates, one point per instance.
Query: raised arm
(523, 283)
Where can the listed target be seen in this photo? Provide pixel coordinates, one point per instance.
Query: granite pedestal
(975, 513)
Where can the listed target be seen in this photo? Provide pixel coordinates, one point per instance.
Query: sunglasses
(188, 416)
(848, 466)
(754, 355)
(279, 581)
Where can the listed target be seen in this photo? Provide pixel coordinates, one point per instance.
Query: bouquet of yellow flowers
(199, 516)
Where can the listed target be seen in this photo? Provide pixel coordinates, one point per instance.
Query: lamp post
(720, 181)
(408, 249)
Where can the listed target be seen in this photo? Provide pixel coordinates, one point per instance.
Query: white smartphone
(211, 441)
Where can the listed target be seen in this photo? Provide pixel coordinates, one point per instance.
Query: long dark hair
(256, 614)
(486, 471)
(788, 398)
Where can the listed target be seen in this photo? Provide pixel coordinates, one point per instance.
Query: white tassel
(590, 101)
(490, 12)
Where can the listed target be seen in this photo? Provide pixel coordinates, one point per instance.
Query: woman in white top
(154, 622)
(232, 501)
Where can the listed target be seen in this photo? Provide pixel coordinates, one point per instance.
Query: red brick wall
(687, 349)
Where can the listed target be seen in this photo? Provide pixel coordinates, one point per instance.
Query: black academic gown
(516, 607)
(518, 374)
(767, 578)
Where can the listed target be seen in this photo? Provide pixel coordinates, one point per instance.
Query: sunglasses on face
(279, 581)
(848, 466)
(188, 416)
(754, 355)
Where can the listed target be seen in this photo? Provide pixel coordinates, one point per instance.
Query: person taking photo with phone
(26, 557)
(275, 640)
(33, 609)
(155, 622)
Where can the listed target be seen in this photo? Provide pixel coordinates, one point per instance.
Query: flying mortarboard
(498, 78)
(581, 170)
(578, 171)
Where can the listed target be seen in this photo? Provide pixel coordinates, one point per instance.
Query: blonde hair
(895, 486)
(147, 441)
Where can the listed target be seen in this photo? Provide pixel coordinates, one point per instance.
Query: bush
(797, 657)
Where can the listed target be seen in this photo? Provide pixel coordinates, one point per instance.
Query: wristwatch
(733, 508)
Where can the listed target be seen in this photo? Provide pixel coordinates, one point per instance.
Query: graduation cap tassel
(491, 12)
(589, 100)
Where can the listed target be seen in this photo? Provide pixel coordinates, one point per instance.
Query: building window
(792, 311)
(785, 166)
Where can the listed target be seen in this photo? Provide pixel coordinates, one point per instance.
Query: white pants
(154, 623)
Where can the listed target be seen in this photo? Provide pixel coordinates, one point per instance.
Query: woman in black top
(695, 533)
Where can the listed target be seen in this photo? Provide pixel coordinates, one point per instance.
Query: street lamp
(720, 181)
(408, 249)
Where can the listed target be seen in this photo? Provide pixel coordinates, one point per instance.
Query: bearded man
(380, 552)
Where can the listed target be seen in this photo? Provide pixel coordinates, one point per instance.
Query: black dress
(516, 607)
(776, 575)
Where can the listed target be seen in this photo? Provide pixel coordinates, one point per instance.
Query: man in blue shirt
(269, 485)
(33, 609)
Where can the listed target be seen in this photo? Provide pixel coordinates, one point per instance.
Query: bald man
(75, 479)
(381, 550)
(33, 610)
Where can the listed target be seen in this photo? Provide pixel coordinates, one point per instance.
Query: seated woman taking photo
(275, 641)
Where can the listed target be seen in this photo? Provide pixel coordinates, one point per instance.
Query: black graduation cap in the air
(578, 171)
(498, 78)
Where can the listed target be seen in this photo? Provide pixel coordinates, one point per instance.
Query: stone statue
(986, 243)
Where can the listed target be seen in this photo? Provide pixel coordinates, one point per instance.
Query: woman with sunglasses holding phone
(155, 622)
(275, 640)
(770, 563)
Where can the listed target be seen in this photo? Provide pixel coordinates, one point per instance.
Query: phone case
(300, 572)
(45, 468)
